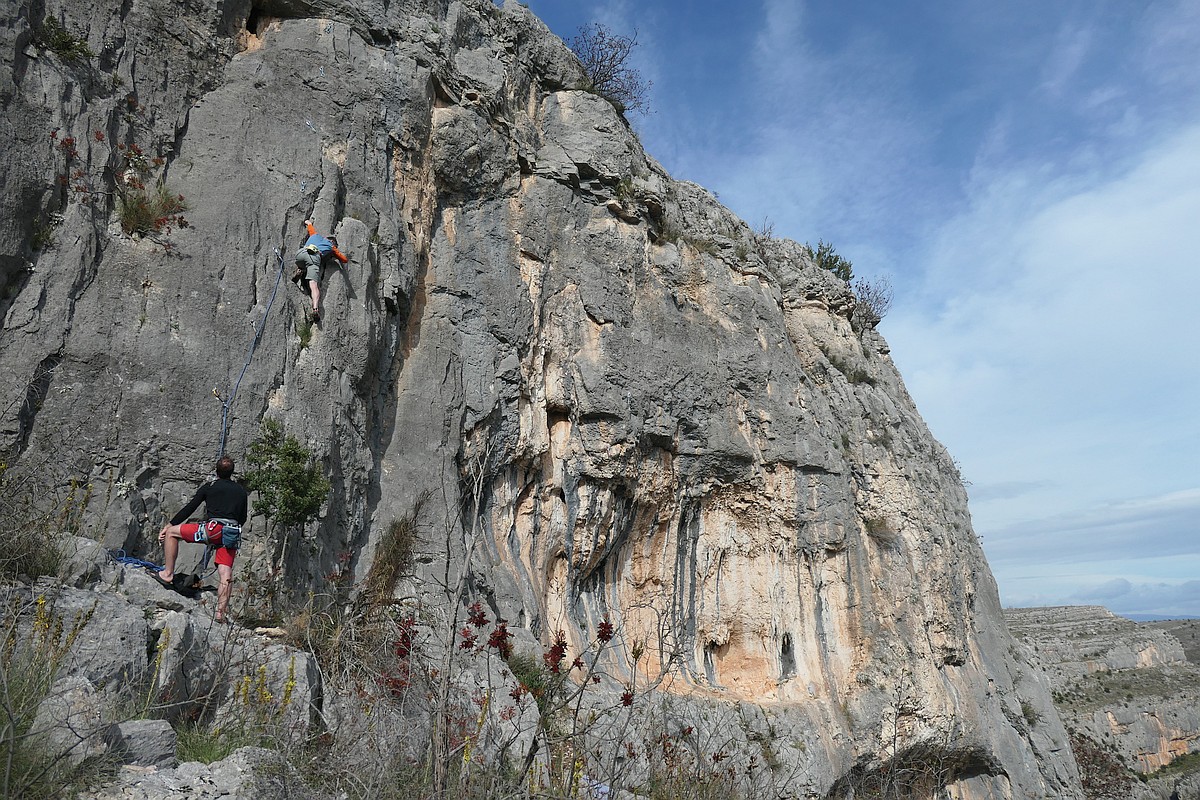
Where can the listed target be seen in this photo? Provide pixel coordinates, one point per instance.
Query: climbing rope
(227, 403)
(120, 557)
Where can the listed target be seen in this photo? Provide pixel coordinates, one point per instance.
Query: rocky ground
(109, 667)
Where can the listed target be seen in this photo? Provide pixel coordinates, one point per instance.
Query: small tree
(289, 482)
(826, 258)
(605, 58)
(874, 301)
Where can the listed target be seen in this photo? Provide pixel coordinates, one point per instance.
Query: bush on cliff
(825, 257)
(605, 57)
(290, 484)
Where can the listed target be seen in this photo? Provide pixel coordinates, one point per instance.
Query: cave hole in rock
(256, 21)
(787, 658)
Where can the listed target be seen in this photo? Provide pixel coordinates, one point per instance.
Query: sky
(1027, 176)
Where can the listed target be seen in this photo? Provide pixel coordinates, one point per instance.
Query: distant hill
(1187, 631)
(1157, 617)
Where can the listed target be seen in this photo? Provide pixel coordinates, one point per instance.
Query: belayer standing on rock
(311, 260)
(225, 502)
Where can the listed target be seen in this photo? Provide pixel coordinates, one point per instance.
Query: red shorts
(208, 533)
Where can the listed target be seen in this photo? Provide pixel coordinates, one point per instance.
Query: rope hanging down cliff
(227, 403)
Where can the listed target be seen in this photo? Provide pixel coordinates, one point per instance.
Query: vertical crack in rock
(35, 394)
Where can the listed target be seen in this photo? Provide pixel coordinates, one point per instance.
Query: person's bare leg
(170, 538)
(224, 589)
(315, 289)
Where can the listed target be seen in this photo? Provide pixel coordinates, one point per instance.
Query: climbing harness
(229, 528)
(227, 403)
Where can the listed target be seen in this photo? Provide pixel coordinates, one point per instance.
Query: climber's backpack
(187, 585)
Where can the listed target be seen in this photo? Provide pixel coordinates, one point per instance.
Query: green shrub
(290, 484)
(195, 742)
(149, 212)
(826, 258)
(43, 235)
(304, 330)
(853, 373)
(52, 36)
(393, 558)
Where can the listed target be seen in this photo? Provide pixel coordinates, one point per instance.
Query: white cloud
(1067, 56)
(1055, 340)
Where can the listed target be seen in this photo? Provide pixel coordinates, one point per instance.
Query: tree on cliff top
(605, 57)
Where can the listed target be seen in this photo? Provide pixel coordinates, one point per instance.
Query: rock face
(625, 404)
(1125, 684)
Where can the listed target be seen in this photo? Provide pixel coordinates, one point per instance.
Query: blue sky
(1027, 175)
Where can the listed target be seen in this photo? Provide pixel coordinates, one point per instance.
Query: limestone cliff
(1128, 686)
(645, 410)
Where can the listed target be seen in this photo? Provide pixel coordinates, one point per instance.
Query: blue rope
(120, 557)
(258, 331)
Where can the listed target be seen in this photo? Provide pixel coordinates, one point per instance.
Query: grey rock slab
(69, 723)
(144, 742)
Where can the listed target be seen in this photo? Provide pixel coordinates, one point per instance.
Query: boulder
(69, 722)
(143, 742)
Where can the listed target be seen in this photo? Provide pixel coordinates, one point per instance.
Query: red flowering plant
(96, 169)
(565, 685)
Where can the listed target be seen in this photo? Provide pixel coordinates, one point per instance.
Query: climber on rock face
(225, 502)
(311, 260)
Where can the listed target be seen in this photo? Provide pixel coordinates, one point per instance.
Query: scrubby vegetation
(874, 301)
(34, 521)
(29, 662)
(825, 257)
(1104, 776)
(607, 59)
(291, 485)
(52, 36)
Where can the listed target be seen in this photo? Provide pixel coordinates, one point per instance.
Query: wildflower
(98, 135)
(468, 638)
(475, 613)
(604, 631)
(553, 658)
(500, 639)
(627, 699)
(406, 638)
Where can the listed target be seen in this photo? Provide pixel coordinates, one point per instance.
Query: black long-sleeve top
(222, 498)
